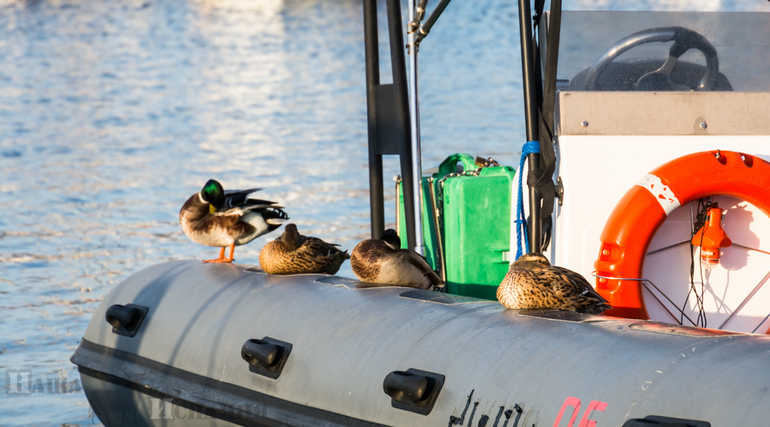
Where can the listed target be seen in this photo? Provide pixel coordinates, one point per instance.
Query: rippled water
(113, 113)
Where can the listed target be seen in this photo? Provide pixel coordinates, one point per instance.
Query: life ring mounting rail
(644, 282)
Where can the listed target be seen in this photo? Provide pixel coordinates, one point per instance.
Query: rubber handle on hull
(660, 421)
(413, 390)
(404, 387)
(261, 353)
(118, 315)
(126, 319)
(266, 356)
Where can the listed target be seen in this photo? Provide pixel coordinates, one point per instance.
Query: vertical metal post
(414, 120)
(530, 115)
(371, 45)
(401, 101)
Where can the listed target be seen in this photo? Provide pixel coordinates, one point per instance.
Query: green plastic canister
(475, 218)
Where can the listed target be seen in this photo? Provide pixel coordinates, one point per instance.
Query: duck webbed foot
(222, 259)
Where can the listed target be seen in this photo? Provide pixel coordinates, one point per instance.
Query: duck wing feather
(325, 257)
(236, 197)
(421, 263)
(573, 286)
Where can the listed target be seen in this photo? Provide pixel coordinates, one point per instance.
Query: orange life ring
(643, 209)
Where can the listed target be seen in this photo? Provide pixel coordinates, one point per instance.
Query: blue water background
(112, 113)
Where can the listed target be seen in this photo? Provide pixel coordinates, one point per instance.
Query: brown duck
(215, 217)
(293, 253)
(532, 282)
(382, 261)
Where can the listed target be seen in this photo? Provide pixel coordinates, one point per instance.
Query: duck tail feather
(276, 221)
(258, 204)
(236, 197)
(275, 216)
(598, 308)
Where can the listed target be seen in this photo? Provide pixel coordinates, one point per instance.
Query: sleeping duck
(532, 282)
(293, 253)
(215, 217)
(382, 261)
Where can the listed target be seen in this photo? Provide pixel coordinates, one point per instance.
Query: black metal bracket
(413, 390)
(126, 319)
(387, 108)
(422, 31)
(267, 356)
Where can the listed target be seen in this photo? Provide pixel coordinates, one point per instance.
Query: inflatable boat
(648, 174)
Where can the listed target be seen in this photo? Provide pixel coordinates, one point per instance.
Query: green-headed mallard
(293, 253)
(382, 261)
(532, 282)
(215, 217)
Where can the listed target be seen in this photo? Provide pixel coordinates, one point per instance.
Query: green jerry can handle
(450, 164)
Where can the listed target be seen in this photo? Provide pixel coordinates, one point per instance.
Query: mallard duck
(532, 282)
(293, 253)
(382, 261)
(215, 217)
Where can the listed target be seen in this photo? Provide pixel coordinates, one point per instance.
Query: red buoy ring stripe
(643, 209)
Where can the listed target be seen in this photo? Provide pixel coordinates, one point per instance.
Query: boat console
(643, 89)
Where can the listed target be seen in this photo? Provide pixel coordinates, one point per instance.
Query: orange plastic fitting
(711, 237)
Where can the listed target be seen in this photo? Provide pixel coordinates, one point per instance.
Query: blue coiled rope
(521, 222)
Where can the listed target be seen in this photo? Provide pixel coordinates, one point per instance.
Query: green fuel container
(474, 220)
